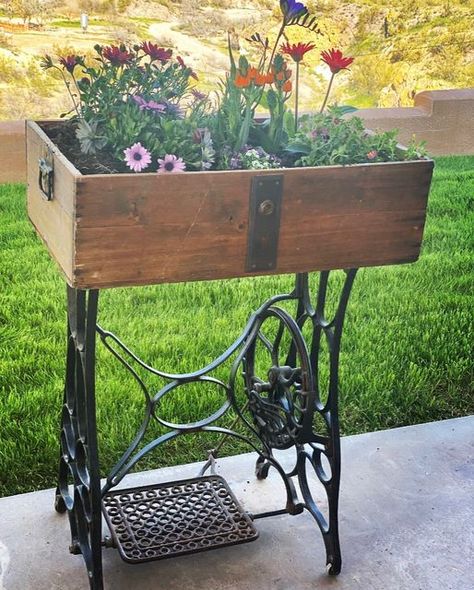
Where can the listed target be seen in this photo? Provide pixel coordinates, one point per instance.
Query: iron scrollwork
(282, 400)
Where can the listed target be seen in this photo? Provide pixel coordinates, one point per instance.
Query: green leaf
(298, 146)
(272, 99)
(347, 108)
(243, 65)
(289, 123)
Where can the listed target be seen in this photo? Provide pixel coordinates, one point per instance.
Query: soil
(63, 134)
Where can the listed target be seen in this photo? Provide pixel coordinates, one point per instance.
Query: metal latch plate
(266, 194)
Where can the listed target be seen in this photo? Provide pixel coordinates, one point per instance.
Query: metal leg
(327, 408)
(287, 401)
(78, 490)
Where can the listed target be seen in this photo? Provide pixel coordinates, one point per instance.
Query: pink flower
(170, 164)
(156, 106)
(137, 157)
(155, 52)
(372, 155)
(118, 56)
(189, 70)
(69, 62)
(149, 105)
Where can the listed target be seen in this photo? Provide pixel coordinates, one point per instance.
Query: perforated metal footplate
(175, 518)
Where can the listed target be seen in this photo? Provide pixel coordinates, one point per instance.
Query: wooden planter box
(107, 230)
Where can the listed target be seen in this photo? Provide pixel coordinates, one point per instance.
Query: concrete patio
(407, 522)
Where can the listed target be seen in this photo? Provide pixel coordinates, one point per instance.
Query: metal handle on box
(45, 178)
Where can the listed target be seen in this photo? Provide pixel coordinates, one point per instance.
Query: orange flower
(287, 86)
(261, 80)
(270, 78)
(252, 73)
(242, 81)
(280, 76)
(287, 74)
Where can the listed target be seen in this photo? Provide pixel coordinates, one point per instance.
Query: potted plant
(152, 181)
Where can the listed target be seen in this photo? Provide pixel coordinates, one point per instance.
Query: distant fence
(442, 118)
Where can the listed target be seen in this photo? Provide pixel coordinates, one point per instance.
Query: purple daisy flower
(158, 107)
(170, 164)
(198, 95)
(137, 157)
(174, 110)
(149, 105)
(140, 101)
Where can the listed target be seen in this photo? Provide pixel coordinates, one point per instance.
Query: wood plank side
(115, 200)
(194, 226)
(53, 220)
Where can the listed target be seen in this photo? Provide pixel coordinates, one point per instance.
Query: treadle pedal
(175, 518)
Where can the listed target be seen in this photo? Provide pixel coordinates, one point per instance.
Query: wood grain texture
(53, 220)
(143, 229)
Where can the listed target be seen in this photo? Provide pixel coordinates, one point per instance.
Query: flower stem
(327, 94)
(297, 88)
(67, 84)
(280, 33)
(78, 94)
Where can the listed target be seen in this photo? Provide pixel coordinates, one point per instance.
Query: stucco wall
(12, 151)
(442, 118)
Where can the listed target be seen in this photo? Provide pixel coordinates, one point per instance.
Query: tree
(28, 10)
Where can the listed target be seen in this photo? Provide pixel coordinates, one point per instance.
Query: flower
(46, 62)
(174, 110)
(292, 9)
(198, 95)
(270, 78)
(335, 60)
(203, 136)
(242, 81)
(149, 105)
(297, 50)
(287, 86)
(155, 106)
(137, 157)
(252, 73)
(155, 52)
(262, 79)
(372, 155)
(170, 164)
(116, 55)
(253, 158)
(322, 133)
(191, 72)
(69, 62)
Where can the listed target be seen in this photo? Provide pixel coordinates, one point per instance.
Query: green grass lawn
(406, 355)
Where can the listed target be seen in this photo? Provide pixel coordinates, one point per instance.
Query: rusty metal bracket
(266, 195)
